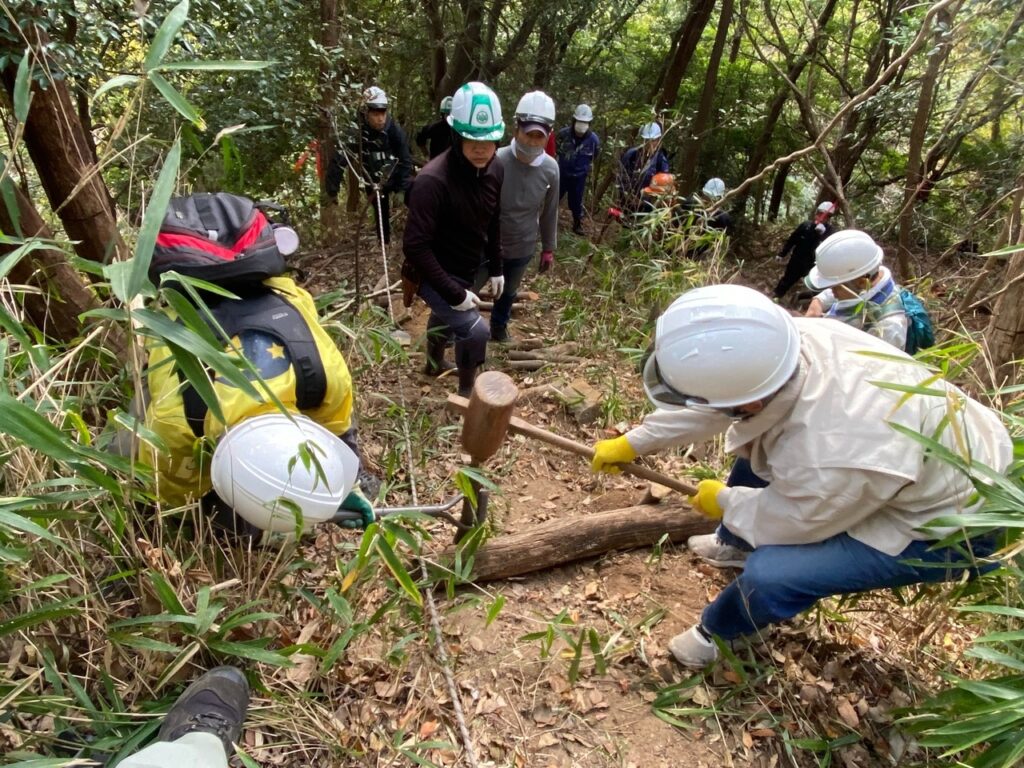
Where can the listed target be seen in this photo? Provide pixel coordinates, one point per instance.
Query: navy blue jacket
(576, 153)
(633, 177)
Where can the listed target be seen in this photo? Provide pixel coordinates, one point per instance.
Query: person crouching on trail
(826, 496)
(529, 204)
(453, 228)
(800, 247)
(856, 288)
(257, 458)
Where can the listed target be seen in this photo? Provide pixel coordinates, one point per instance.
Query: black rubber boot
(215, 703)
(577, 228)
(467, 376)
(499, 333)
(436, 364)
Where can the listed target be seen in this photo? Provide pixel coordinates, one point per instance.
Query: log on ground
(558, 542)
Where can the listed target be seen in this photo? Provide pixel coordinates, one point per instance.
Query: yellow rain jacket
(183, 471)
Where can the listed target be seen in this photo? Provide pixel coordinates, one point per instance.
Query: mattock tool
(487, 415)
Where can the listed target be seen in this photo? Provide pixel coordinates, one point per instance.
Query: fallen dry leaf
(847, 713)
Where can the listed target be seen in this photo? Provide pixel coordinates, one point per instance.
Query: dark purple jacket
(453, 223)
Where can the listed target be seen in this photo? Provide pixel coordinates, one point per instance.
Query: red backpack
(218, 237)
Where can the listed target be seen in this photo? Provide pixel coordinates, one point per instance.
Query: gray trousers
(470, 331)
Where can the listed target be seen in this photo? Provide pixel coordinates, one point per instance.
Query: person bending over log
(826, 497)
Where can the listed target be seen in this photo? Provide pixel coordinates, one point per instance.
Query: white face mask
(581, 128)
(527, 152)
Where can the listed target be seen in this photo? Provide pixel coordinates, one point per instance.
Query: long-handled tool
(519, 427)
(433, 510)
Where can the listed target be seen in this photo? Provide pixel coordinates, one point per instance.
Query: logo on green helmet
(483, 116)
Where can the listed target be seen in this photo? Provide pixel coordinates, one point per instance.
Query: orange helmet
(661, 184)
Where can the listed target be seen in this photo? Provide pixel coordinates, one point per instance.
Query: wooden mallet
(484, 427)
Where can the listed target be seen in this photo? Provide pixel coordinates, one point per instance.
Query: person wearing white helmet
(378, 153)
(529, 204)
(638, 166)
(577, 147)
(454, 227)
(279, 335)
(436, 137)
(828, 496)
(856, 288)
(802, 243)
(701, 217)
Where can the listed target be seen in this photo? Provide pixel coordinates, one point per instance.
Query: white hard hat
(261, 468)
(844, 256)
(720, 346)
(536, 107)
(650, 131)
(375, 98)
(583, 114)
(714, 188)
(826, 207)
(476, 113)
(446, 105)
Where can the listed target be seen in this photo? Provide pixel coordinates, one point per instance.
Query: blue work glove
(356, 502)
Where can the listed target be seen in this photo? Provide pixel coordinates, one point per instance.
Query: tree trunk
(330, 33)
(465, 60)
(63, 294)
(1005, 333)
(438, 55)
(701, 121)
(61, 154)
(778, 190)
(760, 149)
(689, 36)
(562, 541)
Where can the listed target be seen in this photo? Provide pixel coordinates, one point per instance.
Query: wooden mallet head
(487, 417)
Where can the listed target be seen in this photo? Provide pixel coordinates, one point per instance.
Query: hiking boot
(436, 364)
(694, 648)
(499, 334)
(467, 377)
(577, 229)
(215, 703)
(713, 550)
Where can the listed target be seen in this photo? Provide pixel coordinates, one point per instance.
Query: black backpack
(218, 237)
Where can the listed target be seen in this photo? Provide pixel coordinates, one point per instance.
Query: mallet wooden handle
(520, 427)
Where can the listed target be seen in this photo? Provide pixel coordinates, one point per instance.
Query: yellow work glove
(705, 500)
(608, 454)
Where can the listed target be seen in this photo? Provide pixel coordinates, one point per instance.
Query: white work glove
(471, 300)
(497, 286)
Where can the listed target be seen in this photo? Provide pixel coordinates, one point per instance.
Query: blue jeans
(513, 270)
(779, 582)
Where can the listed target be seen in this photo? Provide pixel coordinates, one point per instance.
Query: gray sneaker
(693, 648)
(215, 703)
(713, 550)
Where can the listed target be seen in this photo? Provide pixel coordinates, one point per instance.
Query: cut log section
(566, 540)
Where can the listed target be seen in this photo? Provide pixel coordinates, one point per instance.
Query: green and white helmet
(446, 105)
(476, 113)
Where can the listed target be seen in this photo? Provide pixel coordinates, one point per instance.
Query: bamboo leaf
(250, 651)
(394, 565)
(176, 100)
(23, 524)
(164, 36)
(118, 81)
(22, 87)
(229, 65)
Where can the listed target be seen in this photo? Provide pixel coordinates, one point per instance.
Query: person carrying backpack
(857, 289)
(306, 398)
(379, 154)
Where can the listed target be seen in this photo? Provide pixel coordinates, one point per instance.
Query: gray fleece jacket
(529, 205)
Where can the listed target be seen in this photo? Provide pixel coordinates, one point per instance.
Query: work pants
(470, 331)
(779, 582)
(574, 186)
(513, 270)
(193, 750)
(798, 267)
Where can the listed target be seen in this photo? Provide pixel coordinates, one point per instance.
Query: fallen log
(526, 365)
(566, 540)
